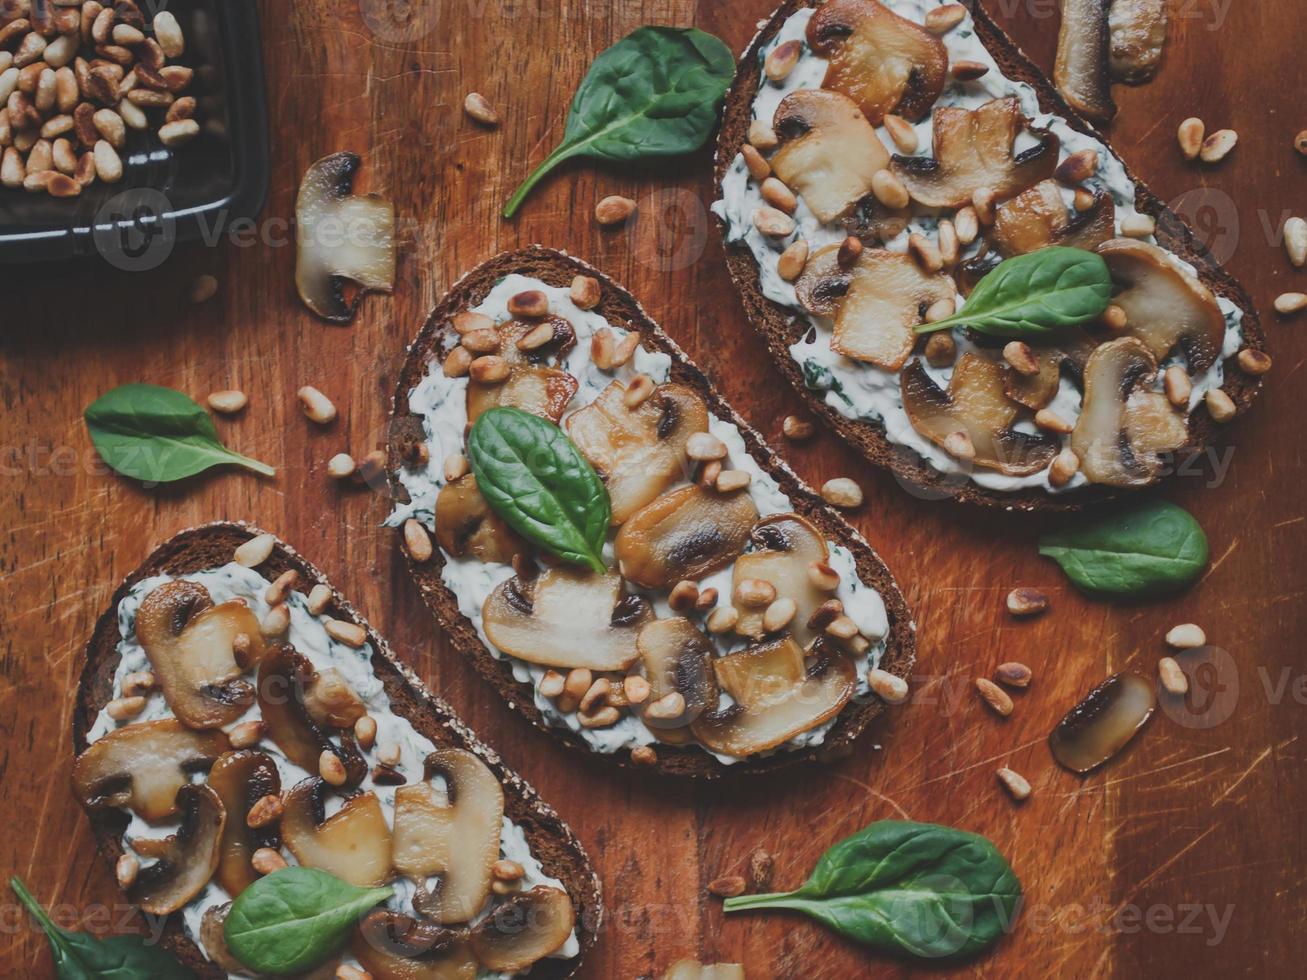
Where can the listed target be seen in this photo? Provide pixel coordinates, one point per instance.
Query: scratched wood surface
(1185, 857)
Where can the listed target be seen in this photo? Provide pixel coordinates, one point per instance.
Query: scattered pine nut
(1254, 362)
(644, 756)
(779, 614)
(1287, 304)
(639, 391)
(1186, 636)
(1013, 674)
(1218, 146)
(1295, 241)
(1190, 135)
(319, 599)
(341, 466)
(968, 71)
(1050, 421)
(729, 481)
(796, 429)
(762, 136)
(1065, 465)
(584, 292)
(389, 754)
(551, 684)
(1173, 678)
(138, 682)
(667, 707)
(636, 689)
(120, 709)
(417, 542)
(266, 860)
(276, 622)
(926, 252)
(849, 252)
(281, 588)
(722, 619)
(614, 210)
(890, 190)
(773, 223)
(755, 593)
(888, 687)
(365, 731)
(227, 402)
(479, 109)
(683, 596)
(317, 407)
(331, 769)
(351, 634)
(530, 303)
(1077, 167)
(255, 551)
(1015, 783)
(959, 446)
(842, 492)
(1026, 602)
(266, 810)
(1220, 406)
(903, 133)
(1138, 226)
(757, 165)
(842, 628)
(1022, 359)
(246, 735)
(941, 348)
(203, 288)
(994, 696)
(781, 60)
(941, 20)
(727, 887)
(1176, 384)
(790, 265)
(125, 870)
(823, 576)
(703, 446)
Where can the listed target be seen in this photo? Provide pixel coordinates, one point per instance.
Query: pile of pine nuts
(75, 77)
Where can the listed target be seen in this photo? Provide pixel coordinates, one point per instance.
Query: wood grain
(1115, 865)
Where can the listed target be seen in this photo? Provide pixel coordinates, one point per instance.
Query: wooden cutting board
(1185, 857)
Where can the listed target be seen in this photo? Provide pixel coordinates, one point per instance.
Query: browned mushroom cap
(1138, 36)
(677, 658)
(1080, 71)
(639, 452)
(884, 62)
(888, 294)
(1103, 723)
(393, 946)
(341, 237)
(466, 525)
(241, 779)
(286, 685)
(778, 693)
(1165, 305)
(187, 859)
(353, 843)
(1068, 353)
(1123, 424)
(1038, 217)
(526, 928)
(685, 534)
(142, 766)
(453, 833)
(532, 385)
(974, 149)
(566, 617)
(784, 548)
(829, 151)
(976, 406)
(190, 644)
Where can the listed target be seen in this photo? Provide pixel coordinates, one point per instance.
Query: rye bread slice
(780, 327)
(211, 545)
(621, 309)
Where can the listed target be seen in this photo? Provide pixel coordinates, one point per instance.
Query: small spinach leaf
(919, 889)
(158, 435)
(78, 956)
(535, 478)
(293, 919)
(1035, 294)
(1152, 549)
(655, 93)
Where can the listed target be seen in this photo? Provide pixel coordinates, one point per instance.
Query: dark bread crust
(780, 328)
(211, 545)
(621, 309)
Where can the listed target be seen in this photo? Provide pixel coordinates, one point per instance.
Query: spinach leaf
(158, 435)
(913, 888)
(1152, 549)
(535, 478)
(655, 93)
(78, 956)
(293, 919)
(1035, 294)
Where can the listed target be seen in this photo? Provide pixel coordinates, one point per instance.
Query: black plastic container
(166, 196)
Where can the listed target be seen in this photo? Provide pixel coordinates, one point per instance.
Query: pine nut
(1300, 143)
(551, 684)
(888, 687)
(317, 407)
(723, 619)
(479, 109)
(707, 599)
(825, 614)
(775, 193)
(351, 634)
(959, 446)
(614, 210)
(1254, 362)
(533, 339)
(108, 165)
(505, 870)
(1022, 359)
(120, 709)
(1220, 406)
(1065, 465)
(1186, 636)
(281, 588)
(1026, 602)
(1190, 135)
(584, 292)
(245, 735)
(595, 694)
(644, 756)
(890, 190)
(755, 593)
(266, 810)
(625, 350)
(941, 348)
(849, 252)
(842, 492)
(169, 34)
(531, 303)
(790, 265)
(727, 887)
(1016, 784)
(578, 682)
(709, 473)
(994, 696)
(822, 576)
(467, 322)
(1218, 146)
(926, 252)
(779, 615)
(1077, 168)
(138, 682)
(319, 599)
(1013, 674)
(773, 223)
(488, 369)
(968, 71)
(703, 446)
(842, 628)
(389, 754)
(266, 860)
(484, 341)
(276, 623)
(1287, 304)
(796, 429)
(455, 467)
(1295, 240)
(1172, 676)
(178, 132)
(331, 768)
(763, 136)
(341, 466)
(417, 542)
(757, 165)
(255, 551)
(457, 362)
(227, 402)
(781, 60)
(949, 246)
(667, 707)
(636, 689)
(44, 97)
(1083, 200)
(125, 870)
(941, 20)
(903, 133)
(639, 391)
(60, 51)
(202, 289)
(1138, 226)
(967, 225)
(683, 596)
(1050, 421)
(983, 200)
(12, 170)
